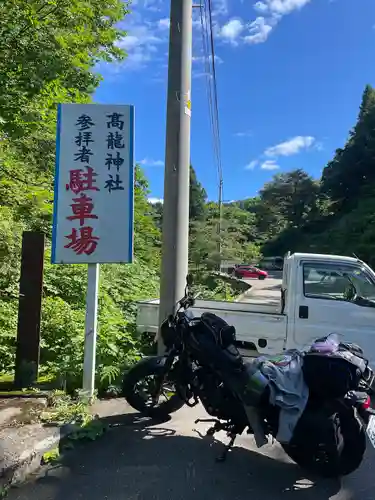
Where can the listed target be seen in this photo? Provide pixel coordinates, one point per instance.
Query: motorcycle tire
(345, 461)
(146, 368)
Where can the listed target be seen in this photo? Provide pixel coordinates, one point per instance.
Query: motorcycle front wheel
(336, 459)
(142, 390)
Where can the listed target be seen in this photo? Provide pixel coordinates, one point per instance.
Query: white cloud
(271, 12)
(202, 59)
(153, 201)
(246, 133)
(202, 74)
(251, 165)
(149, 162)
(260, 30)
(152, 5)
(232, 30)
(141, 46)
(287, 148)
(280, 7)
(220, 7)
(291, 146)
(199, 69)
(147, 37)
(164, 23)
(269, 165)
(261, 7)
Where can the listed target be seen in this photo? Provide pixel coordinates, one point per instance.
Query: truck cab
(326, 294)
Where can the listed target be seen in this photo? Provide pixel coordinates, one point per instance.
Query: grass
(62, 409)
(6, 378)
(7, 389)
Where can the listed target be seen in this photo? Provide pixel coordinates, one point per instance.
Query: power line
(207, 69)
(216, 109)
(210, 70)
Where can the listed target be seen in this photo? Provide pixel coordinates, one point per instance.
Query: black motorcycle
(202, 364)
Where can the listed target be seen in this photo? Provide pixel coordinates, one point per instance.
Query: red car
(250, 272)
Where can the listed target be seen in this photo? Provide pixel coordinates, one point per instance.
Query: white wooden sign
(94, 179)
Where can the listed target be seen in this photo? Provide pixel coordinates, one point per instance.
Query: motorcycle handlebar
(187, 302)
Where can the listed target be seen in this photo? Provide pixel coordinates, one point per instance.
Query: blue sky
(290, 74)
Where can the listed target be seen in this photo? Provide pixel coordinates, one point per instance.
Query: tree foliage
(289, 198)
(197, 197)
(352, 168)
(237, 237)
(48, 51)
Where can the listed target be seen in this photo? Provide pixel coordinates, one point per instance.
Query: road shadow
(137, 459)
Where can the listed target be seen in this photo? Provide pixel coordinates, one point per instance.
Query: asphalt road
(170, 461)
(265, 291)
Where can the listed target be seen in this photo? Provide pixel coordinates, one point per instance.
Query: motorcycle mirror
(189, 280)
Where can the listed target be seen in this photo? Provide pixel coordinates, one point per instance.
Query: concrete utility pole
(174, 266)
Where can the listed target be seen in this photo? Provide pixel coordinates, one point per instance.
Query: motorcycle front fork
(160, 379)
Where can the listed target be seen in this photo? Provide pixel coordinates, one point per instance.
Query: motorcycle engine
(216, 399)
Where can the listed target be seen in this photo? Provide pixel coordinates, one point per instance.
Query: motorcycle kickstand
(228, 447)
(214, 429)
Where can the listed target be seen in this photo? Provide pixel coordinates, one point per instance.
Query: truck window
(333, 281)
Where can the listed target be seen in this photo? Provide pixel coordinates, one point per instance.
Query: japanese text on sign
(94, 184)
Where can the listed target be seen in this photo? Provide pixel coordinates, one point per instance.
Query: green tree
(353, 166)
(197, 202)
(236, 226)
(198, 198)
(47, 55)
(146, 233)
(157, 210)
(290, 197)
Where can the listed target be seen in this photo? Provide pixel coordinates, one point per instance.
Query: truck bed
(255, 323)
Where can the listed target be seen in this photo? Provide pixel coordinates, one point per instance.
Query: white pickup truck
(320, 294)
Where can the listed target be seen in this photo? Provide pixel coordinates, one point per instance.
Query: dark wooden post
(29, 309)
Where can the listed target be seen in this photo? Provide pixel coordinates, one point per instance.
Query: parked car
(250, 272)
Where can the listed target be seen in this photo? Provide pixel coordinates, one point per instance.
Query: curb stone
(17, 465)
(22, 448)
(243, 295)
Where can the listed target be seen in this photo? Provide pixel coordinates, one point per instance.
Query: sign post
(91, 329)
(93, 201)
(29, 308)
